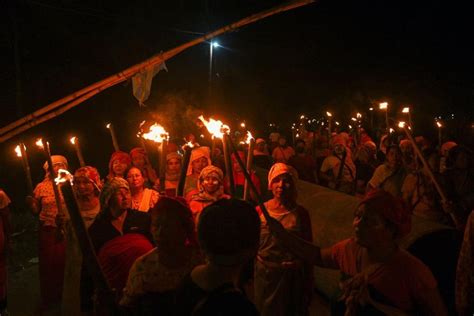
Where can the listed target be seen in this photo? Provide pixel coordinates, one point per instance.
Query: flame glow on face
(39, 143)
(215, 127)
(18, 151)
(156, 133)
(73, 140)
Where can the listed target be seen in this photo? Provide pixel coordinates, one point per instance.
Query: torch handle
(85, 244)
(251, 184)
(440, 191)
(26, 167)
(228, 162)
(162, 170)
(184, 169)
(114, 138)
(249, 168)
(80, 157)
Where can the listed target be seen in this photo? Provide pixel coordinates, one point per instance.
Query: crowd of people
(209, 252)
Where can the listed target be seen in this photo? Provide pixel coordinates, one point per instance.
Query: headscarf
(197, 153)
(123, 157)
(91, 174)
(55, 159)
(109, 189)
(175, 176)
(137, 151)
(280, 168)
(391, 208)
(207, 171)
(405, 145)
(446, 147)
(338, 140)
(259, 140)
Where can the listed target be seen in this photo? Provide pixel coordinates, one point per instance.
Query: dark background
(342, 56)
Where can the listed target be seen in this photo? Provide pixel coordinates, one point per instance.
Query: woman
(155, 275)
(51, 242)
(173, 171)
(390, 175)
(140, 160)
(4, 247)
(119, 163)
(378, 276)
(87, 185)
(338, 169)
(143, 199)
(282, 281)
(119, 235)
(211, 189)
(239, 177)
(200, 158)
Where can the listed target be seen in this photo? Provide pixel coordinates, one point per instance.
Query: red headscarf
(137, 151)
(391, 208)
(123, 157)
(91, 174)
(117, 256)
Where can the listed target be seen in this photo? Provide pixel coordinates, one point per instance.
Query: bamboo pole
(26, 168)
(228, 163)
(440, 191)
(249, 168)
(32, 119)
(184, 169)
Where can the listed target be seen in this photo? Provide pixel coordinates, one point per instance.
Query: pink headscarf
(279, 169)
(123, 157)
(197, 153)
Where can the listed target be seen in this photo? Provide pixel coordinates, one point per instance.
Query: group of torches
(159, 136)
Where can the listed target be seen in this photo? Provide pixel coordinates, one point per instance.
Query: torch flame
(358, 115)
(189, 145)
(354, 119)
(391, 130)
(39, 143)
(401, 124)
(406, 110)
(73, 140)
(215, 127)
(63, 176)
(249, 138)
(328, 114)
(156, 133)
(108, 125)
(18, 150)
(439, 124)
(383, 105)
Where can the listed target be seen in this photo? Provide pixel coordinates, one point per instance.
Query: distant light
(302, 117)
(371, 109)
(328, 114)
(406, 110)
(297, 135)
(350, 126)
(383, 105)
(202, 136)
(353, 119)
(439, 124)
(309, 121)
(401, 124)
(358, 115)
(391, 130)
(242, 124)
(215, 44)
(337, 123)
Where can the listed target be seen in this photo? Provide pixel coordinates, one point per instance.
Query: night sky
(339, 55)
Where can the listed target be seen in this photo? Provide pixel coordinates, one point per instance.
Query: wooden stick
(110, 126)
(32, 119)
(87, 248)
(251, 184)
(184, 169)
(162, 171)
(79, 155)
(249, 168)
(440, 191)
(228, 164)
(26, 167)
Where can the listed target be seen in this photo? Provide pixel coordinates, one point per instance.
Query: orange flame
(18, 150)
(215, 127)
(439, 124)
(401, 124)
(39, 143)
(189, 145)
(156, 133)
(329, 114)
(383, 105)
(73, 140)
(63, 176)
(406, 110)
(108, 125)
